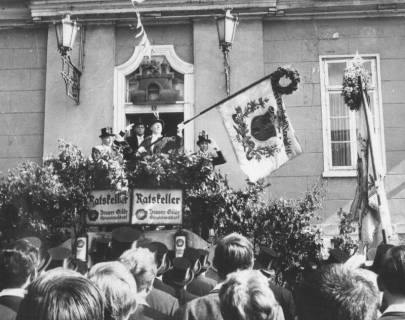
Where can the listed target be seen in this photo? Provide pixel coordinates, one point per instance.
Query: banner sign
(108, 207)
(157, 206)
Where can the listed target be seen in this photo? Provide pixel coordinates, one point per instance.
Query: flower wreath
(351, 91)
(242, 132)
(289, 73)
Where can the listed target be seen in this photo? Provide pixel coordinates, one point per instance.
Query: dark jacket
(160, 285)
(133, 142)
(9, 306)
(201, 286)
(162, 145)
(147, 313)
(219, 159)
(162, 302)
(285, 299)
(202, 308)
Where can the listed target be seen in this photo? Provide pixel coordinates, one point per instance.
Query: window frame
(122, 107)
(348, 171)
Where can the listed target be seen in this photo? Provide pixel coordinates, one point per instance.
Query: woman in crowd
(118, 286)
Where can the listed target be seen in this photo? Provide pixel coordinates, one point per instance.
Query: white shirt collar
(395, 308)
(18, 292)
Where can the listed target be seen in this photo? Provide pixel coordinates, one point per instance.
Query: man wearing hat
(179, 277)
(107, 139)
(156, 142)
(204, 143)
(266, 258)
(122, 239)
(137, 134)
(201, 285)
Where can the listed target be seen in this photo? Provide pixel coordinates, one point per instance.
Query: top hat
(138, 122)
(203, 137)
(106, 132)
(156, 119)
(181, 274)
(122, 239)
(338, 256)
(379, 257)
(193, 255)
(44, 256)
(265, 256)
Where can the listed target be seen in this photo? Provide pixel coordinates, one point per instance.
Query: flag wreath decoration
(257, 124)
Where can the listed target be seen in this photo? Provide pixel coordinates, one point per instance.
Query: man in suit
(204, 144)
(157, 143)
(232, 253)
(18, 267)
(137, 136)
(153, 303)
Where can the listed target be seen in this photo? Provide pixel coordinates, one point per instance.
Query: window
(338, 122)
(162, 83)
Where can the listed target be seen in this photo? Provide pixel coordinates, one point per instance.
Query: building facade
(317, 37)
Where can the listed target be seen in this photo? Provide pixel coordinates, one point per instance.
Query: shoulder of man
(206, 307)
(201, 286)
(162, 302)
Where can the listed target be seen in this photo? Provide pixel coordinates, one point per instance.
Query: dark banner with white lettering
(157, 206)
(108, 207)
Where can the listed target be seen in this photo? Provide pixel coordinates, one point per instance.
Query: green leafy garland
(242, 132)
(351, 91)
(288, 72)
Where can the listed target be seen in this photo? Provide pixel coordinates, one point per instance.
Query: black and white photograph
(202, 159)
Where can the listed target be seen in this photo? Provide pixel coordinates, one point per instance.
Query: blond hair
(246, 295)
(142, 264)
(118, 286)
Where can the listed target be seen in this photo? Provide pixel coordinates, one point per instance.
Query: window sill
(340, 174)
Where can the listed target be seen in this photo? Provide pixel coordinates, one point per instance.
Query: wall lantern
(66, 31)
(226, 27)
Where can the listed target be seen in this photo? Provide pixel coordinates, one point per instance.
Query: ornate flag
(261, 133)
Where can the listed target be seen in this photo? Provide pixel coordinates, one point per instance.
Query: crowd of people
(147, 281)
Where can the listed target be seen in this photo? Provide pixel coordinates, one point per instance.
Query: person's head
(246, 295)
(62, 294)
(203, 146)
(95, 154)
(156, 128)
(142, 264)
(139, 129)
(233, 252)
(18, 265)
(118, 286)
(160, 251)
(203, 141)
(391, 277)
(338, 293)
(107, 136)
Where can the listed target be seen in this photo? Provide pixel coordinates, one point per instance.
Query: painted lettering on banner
(108, 207)
(158, 206)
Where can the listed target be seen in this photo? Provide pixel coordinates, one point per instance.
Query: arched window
(163, 83)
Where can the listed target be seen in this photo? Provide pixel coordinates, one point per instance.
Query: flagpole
(374, 161)
(226, 99)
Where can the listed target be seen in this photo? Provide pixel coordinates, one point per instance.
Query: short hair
(233, 252)
(392, 270)
(18, 263)
(118, 286)
(338, 293)
(246, 295)
(61, 294)
(142, 264)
